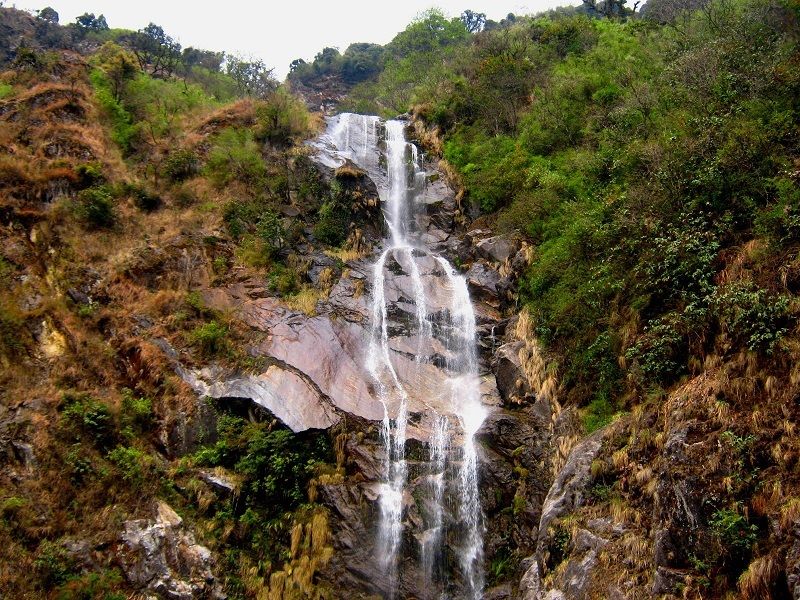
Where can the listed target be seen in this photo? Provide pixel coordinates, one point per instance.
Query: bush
(733, 530)
(131, 463)
(180, 165)
(210, 338)
(89, 418)
(235, 156)
(136, 414)
(333, 217)
(52, 563)
(283, 280)
(281, 118)
(90, 175)
(96, 207)
(753, 316)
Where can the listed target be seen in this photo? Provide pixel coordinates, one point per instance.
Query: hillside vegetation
(654, 165)
(128, 185)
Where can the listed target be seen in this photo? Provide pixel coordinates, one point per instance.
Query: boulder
(160, 555)
(498, 248)
(511, 381)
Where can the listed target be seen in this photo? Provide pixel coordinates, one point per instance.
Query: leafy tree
(157, 53)
(252, 78)
(362, 61)
(87, 21)
(430, 31)
(47, 14)
(119, 65)
(474, 22)
(203, 58)
(297, 64)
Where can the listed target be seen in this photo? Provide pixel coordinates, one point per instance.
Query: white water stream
(453, 524)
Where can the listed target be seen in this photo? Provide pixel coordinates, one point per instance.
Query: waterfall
(452, 519)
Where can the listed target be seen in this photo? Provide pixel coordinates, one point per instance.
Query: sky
(277, 32)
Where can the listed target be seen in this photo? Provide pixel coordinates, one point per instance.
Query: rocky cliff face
(315, 378)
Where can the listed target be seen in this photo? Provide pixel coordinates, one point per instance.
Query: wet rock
(78, 297)
(500, 592)
(23, 452)
(498, 248)
(160, 555)
(667, 581)
(482, 281)
(583, 558)
(219, 482)
(567, 492)
(284, 393)
(511, 380)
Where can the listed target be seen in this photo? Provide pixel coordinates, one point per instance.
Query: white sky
(278, 32)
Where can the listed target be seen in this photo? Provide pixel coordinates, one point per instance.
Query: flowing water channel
(438, 326)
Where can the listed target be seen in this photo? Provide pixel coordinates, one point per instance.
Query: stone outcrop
(160, 555)
(316, 377)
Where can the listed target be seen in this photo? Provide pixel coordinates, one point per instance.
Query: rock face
(565, 495)
(316, 377)
(161, 556)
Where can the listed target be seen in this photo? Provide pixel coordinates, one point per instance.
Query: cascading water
(452, 523)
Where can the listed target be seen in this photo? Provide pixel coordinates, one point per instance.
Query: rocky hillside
(184, 408)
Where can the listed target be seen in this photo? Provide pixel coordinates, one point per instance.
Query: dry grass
(306, 300)
(760, 577)
(347, 255)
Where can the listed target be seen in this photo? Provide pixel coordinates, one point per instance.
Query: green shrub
(210, 338)
(180, 165)
(131, 463)
(53, 564)
(752, 315)
(283, 280)
(660, 351)
(93, 586)
(88, 418)
(96, 207)
(599, 413)
(9, 507)
(235, 156)
(6, 90)
(281, 117)
(79, 463)
(333, 217)
(136, 413)
(144, 199)
(733, 529)
(90, 175)
(123, 130)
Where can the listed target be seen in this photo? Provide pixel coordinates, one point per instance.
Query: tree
(297, 63)
(474, 22)
(203, 58)
(155, 50)
(327, 60)
(606, 8)
(430, 31)
(252, 78)
(119, 65)
(47, 14)
(361, 61)
(88, 21)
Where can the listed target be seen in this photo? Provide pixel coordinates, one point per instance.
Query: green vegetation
(632, 166)
(210, 338)
(95, 207)
(274, 466)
